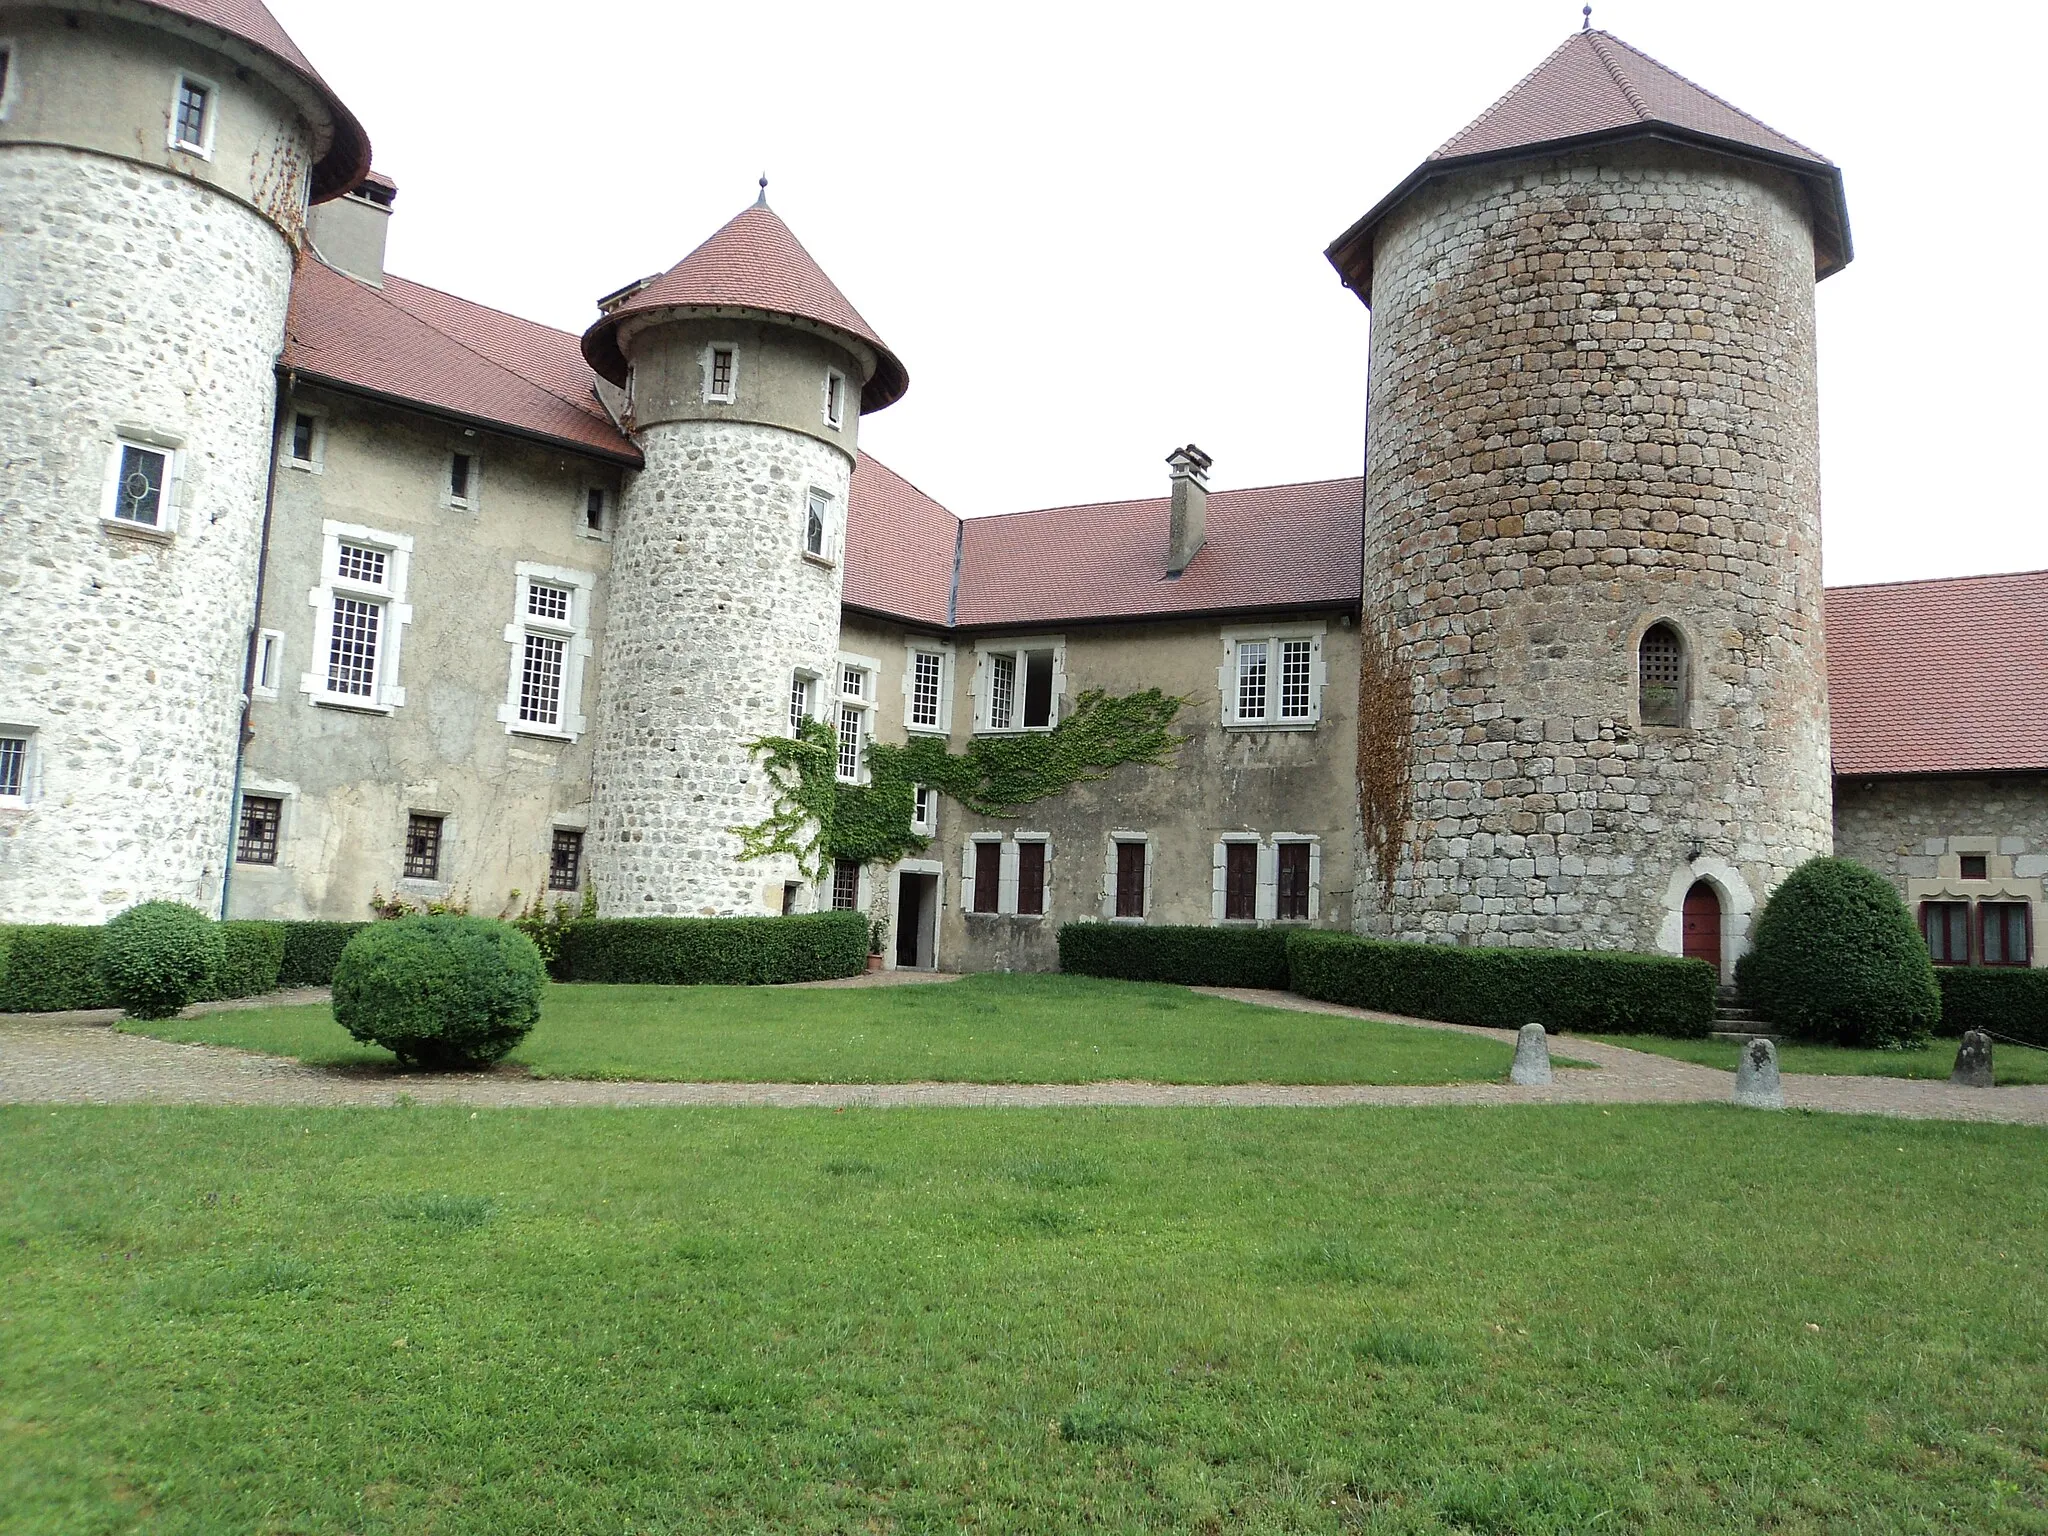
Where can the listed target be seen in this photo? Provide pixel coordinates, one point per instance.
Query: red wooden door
(1703, 925)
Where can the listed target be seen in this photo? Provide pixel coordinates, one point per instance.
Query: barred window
(13, 767)
(1291, 901)
(1661, 676)
(926, 670)
(1294, 679)
(545, 602)
(845, 885)
(189, 129)
(138, 497)
(540, 680)
(423, 847)
(1251, 680)
(256, 838)
(352, 648)
(361, 564)
(565, 860)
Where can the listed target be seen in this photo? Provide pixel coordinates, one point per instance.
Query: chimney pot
(1188, 526)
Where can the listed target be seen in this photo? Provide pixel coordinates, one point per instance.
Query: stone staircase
(1734, 1022)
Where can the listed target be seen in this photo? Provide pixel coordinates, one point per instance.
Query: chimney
(1189, 526)
(348, 231)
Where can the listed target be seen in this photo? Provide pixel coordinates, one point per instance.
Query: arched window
(1660, 676)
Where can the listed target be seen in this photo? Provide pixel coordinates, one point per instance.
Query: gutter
(632, 460)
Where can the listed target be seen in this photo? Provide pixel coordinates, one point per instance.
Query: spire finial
(1586, 17)
(762, 200)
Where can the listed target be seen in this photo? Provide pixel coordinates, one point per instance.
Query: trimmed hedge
(720, 951)
(2009, 1003)
(1837, 958)
(160, 955)
(50, 968)
(1584, 991)
(255, 951)
(440, 992)
(311, 950)
(1191, 956)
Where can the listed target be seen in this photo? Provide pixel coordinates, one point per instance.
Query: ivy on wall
(817, 818)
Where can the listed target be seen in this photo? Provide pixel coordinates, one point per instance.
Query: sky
(1094, 231)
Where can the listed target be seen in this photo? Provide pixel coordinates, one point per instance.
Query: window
(988, 876)
(306, 444)
(1946, 927)
(2002, 933)
(192, 116)
(845, 885)
(856, 699)
(1974, 867)
(1030, 878)
(790, 896)
(256, 837)
(14, 767)
(550, 642)
(462, 480)
(1019, 686)
(926, 691)
(924, 810)
(423, 847)
(1240, 881)
(1292, 899)
(594, 510)
(143, 490)
(1130, 859)
(1273, 680)
(565, 860)
(801, 687)
(359, 615)
(1660, 680)
(721, 373)
(817, 525)
(835, 398)
(6, 76)
(269, 663)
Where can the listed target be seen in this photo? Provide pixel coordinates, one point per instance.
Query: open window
(1018, 686)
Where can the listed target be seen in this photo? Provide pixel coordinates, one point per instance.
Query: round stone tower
(1593, 515)
(746, 373)
(156, 163)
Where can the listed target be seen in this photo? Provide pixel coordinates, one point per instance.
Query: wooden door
(1703, 925)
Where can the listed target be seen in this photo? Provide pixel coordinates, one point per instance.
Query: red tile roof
(341, 148)
(754, 262)
(1940, 676)
(446, 355)
(900, 546)
(1596, 88)
(1280, 546)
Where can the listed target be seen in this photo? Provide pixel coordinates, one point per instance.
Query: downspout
(246, 733)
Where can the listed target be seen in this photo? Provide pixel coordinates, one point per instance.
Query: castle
(321, 589)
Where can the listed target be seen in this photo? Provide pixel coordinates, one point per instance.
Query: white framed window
(1019, 684)
(305, 441)
(835, 398)
(924, 810)
(820, 536)
(462, 486)
(10, 69)
(1276, 878)
(17, 765)
(195, 103)
(144, 480)
(803, 700)
(359, 618)
(594, 512)
(928, 688)
(1273, 678)
(721, 373)
(550, 641)
(856, 706)
(269, 663)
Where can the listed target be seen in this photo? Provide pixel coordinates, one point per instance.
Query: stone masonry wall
(1593, 407)
(712, 607)
(129, 298)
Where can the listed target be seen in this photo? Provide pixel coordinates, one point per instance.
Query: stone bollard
(1756, 1076)
(1532, 1057)
(1973, 1061)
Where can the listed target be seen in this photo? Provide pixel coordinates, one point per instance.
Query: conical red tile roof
(754, 262)
(1594, 88)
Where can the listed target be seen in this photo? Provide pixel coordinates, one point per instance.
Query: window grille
(1002, 691)
(721, 373)
(191, 126)
(845, 885)
(13, 767)
(814, 523)
(1240, 881)
(799, 704)
(1946, 926)
(988, 876)
(1661, 676)
(256, 838)
(540, 680)
(551, 603)
(1291, 901)
(1251, 680)
(926, 668)
(2002, 933)
(1130, 879)
(565, 860)
(593, 510)
(423, 847)
(139, 496)
(302, 438)
(1031, 879)
(352, 648)
(1294, 673)
(357, 563)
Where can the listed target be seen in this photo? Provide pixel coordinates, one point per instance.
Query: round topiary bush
(158, 956)
(1837, 958)
(439, 992)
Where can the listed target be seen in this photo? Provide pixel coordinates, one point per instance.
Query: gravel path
(79, 1059)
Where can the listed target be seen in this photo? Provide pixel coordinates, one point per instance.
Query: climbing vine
(1386, 751)
(817, 818)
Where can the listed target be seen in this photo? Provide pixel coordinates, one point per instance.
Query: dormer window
(835, 398)
(721, 373)
(192, 116)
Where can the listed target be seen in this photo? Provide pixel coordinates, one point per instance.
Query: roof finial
(1586, 17)
(762, 200)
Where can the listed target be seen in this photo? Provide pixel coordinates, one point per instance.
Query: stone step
(1736, 1015)
(1744, 1036)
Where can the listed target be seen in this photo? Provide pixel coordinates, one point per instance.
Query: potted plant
(878, 933)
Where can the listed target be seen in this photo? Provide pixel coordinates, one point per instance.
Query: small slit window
(6, 74)
(817, 511)
(305, 438)
(721, 373)
(835, 398)
(14, 766)
(1660, 666)
(1974, 866)
(461, 479)
(594, 510)
(192, 116)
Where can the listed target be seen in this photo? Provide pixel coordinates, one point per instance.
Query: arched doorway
(1703, 924)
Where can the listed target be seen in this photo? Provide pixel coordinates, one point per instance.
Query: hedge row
(1584, 991)
(1191, 956)
(48, 967)
(311, 950)
(2009, 1003)
(723, 951)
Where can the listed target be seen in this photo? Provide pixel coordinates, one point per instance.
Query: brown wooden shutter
(1031, 878)
(1293, 897)
(988, 876)
(1240, 881)
(1130, 879)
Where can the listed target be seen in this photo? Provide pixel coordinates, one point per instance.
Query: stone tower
(746, 373)
(156, 164)
(1593, 512)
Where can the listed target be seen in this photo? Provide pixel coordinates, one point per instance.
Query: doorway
(1703, 924)
(917, 921)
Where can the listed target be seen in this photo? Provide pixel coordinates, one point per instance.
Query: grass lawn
(1507, 1321)
(984, 1029)
(2013, 1063)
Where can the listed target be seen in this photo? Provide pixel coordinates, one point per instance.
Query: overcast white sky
(1094, 231)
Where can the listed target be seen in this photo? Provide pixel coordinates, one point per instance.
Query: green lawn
(2012, 1063)
(1668, 1320)
(987, 1029)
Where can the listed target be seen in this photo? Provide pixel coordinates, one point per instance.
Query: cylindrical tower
(156, 161)
(746, 374)
(1593, 513)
